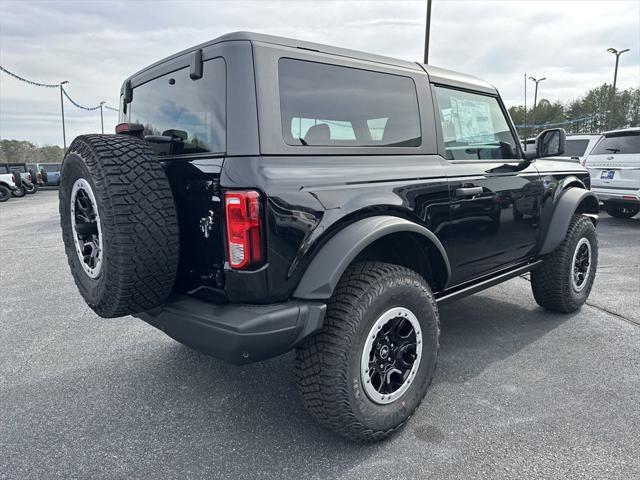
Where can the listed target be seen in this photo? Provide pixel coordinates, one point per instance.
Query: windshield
(575, 148)
(50, 167)
(628, 142)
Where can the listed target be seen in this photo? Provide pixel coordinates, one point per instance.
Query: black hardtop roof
(436, 74)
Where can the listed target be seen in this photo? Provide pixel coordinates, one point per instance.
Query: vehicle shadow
(157, 409)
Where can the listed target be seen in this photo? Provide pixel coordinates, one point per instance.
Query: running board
(461, 292)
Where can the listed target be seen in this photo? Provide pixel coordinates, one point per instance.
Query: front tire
(564, 280)
(621, 210)
(5, 193)
(369, 368)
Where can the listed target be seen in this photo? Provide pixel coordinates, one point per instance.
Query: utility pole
(535, 95)
(101, 116)
(427, 33)
(64, 135)
(615, 80)
(525, 112)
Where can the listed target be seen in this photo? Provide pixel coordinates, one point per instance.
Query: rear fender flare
(571, 201)
(328, 265)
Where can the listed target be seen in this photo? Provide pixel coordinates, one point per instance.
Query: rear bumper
(605, 194)
(237, 333)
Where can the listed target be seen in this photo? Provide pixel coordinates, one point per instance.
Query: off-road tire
(328, 364)
(5, 193)
(138, 221)
(551, 282)
(19, 192)
(621, 210)
(30, 188)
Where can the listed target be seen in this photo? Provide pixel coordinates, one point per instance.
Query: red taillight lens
(13, 178)
(583, 161)
(244, 236)
(29, 177)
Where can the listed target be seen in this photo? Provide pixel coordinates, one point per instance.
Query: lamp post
(535, 96)
(101, 116)
(615, 79)
(427, 33)
(64, 135)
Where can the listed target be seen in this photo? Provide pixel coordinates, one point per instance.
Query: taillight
(13, 179)
(29, 177)
(244, 236)
(583, 161)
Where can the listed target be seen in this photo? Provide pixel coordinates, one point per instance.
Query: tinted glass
(575, 148)
(620, 144)
(181, 115)
(474, 126)
(338, 106)
(50, 167)
(4, 169)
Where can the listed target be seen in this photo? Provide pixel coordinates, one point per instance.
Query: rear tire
(5, 193)
(621, 210)
(564, 280)
(30, 188)
(19, 192)
(374, 305)
(119, 224)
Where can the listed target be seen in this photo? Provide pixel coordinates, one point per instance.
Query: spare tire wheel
(119, 224)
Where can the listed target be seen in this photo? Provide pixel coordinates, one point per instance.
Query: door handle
(467, 191)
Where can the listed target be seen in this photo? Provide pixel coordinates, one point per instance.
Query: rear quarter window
(330, 105)
(618, 144)
(183, 116)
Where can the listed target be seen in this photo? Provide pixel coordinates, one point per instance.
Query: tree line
(588, 114)
(22, 151)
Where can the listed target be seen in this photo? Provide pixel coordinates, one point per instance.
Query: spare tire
(119, 224)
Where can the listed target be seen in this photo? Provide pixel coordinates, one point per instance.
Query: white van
(614, 166)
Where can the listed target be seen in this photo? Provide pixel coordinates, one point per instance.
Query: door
(494, 208)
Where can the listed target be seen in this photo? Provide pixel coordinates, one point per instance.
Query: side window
(181, 115)
(331, 105)
(474, 126)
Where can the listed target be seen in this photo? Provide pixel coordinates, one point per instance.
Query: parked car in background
(36, 174)
(614, 166)
(51, 173)
(578, 147)
(28, 182)
(7, 182)
(16, 171)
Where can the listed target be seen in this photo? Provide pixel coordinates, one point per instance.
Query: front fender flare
(326, 268)
(571, 201)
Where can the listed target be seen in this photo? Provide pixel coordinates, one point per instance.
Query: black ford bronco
(264, 194)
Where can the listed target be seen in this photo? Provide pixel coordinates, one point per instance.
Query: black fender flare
(324, 272)
(572, 200)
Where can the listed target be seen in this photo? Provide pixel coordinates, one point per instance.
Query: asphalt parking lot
(519, 392)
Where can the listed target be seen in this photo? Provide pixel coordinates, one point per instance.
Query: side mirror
(550, 143)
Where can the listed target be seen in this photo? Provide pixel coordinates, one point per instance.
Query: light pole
(535, 96)
(64, 135)
(427, 33)
(101, 117)
(615, 79)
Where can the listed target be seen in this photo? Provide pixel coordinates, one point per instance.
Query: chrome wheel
(581, 265)
(87, 233)
(391, 355)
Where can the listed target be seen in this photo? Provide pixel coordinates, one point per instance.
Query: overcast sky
(95, 45)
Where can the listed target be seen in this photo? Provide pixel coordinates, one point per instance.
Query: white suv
(614, 165)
